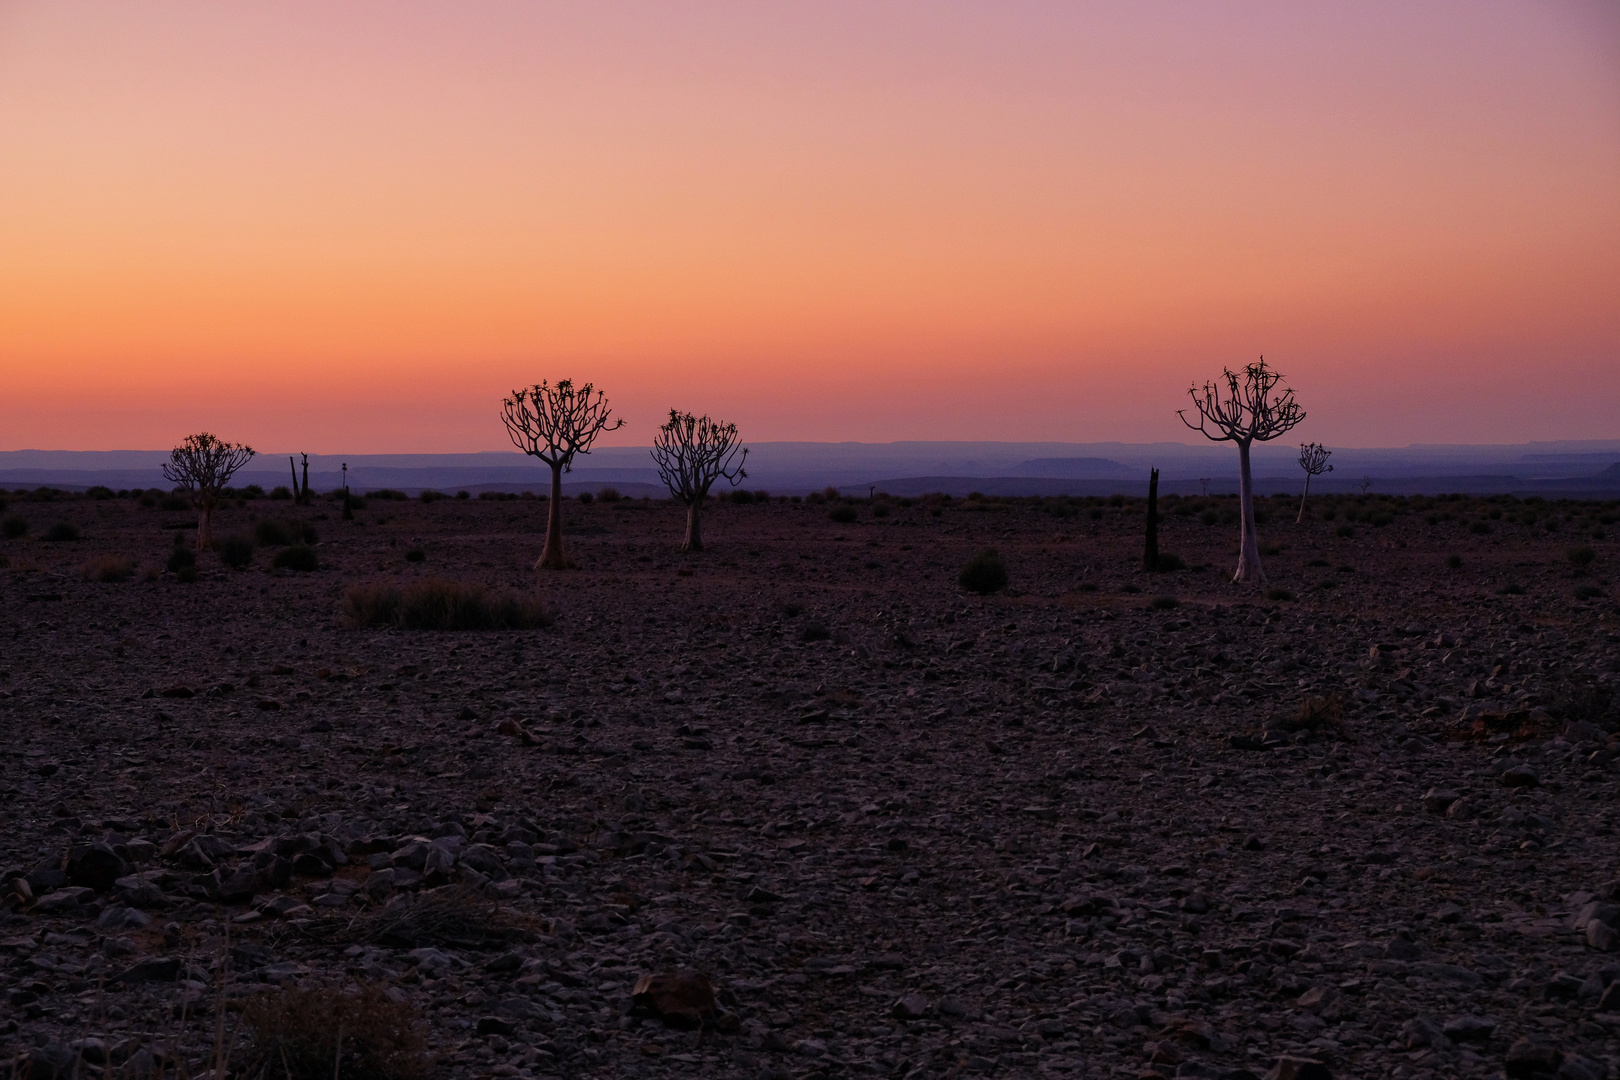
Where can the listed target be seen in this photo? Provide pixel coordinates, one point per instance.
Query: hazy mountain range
(1574, 468)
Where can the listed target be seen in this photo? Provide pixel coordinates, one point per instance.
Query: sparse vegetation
(14, 526)
(985, 573)
(107, 568)
(319, 1033)
(236, 552)
(1581, 557)
(62, 532)
(843, 514)
(437, 604)
(298, 557)
(416, 554)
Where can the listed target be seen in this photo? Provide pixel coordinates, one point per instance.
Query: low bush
(432, 496)
(1345, 531)
(880, 510)
(1167, 563)
(100, 492)
(388, 495)
(107, 568)
(1581, 557)
(1512, 588)
(61, 532)
(437, 604)
(271, 533)
(1589, 592)
(416, 554)
(586, 497)
(180, 558)
(1454, 561)
(1480, 528)
(186, 573)
(174, 503)
(299, 557)
(1164, 603)
(814, 630)
(1279, 595)
(319, 1033)
(236, 552)
(984, 574)
(14, 526)
(608, 494)
(281, 492)
(843, 514)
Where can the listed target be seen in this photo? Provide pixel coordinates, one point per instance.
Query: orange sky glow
(355, 226)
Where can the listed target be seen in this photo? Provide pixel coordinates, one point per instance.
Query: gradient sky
(354, 226)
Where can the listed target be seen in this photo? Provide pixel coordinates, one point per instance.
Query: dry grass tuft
(437, 604)
(320, 1033)
(107, 568)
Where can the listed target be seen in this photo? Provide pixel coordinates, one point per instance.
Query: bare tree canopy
(1244, 407)
(692, 452)
(203, 465)
(1313, 458)
(553, 423)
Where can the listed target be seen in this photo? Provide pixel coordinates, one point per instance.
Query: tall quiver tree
(692, 452)
(1313, 458)
(553, 423)
(1244, 407)
(203, 465)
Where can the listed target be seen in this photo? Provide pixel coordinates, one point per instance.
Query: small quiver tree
(203, 465)
(553, 423)
(692, 452)
(1313, 458)
(1244, 407)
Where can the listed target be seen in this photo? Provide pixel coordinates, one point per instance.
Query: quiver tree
(1244, 407)
(203, 466)
(693, 452)
(553, 423)
(1313, 458)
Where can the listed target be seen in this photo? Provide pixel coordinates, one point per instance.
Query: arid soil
(1076, 828)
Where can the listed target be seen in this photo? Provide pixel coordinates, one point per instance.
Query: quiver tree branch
(553, 423)
(1313, 458)
(202, 466)
(692, 452)
(1244, 408)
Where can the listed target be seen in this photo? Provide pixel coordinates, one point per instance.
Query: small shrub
(61, 532)
(180, 557)
(388, 495)
(315, 1034)
(174, 503)
(1454, 561)
(100, 492)
(416, 554)
(437, 604)
(186, 574)
(1551, 524)
(790, 609)
(814, 630)
(1130, 587)
(271, 533)
(1588, 592)
(236, 552)
(1480, 528)
(281, 492)
(108, 568)
(1168, 563)
(1512, 588)
(1581, 557)
(1318, 562)
(14, 526)
(1164, 603)
(843, 513)
(463, 494)
(307, 534)
(880, 510)
(1279, 595)
(985, 573)
(608, 494)
(431, 496)
(586, 497)
(298, 557)
(1208, 517)
(1270, 549)
(1316, 714)
(1345, 531)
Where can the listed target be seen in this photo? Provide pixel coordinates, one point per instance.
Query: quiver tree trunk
(205, 526)
(1150, 551)
(694, 525)
(1249, 541)
(551, 556)
(1302, 498)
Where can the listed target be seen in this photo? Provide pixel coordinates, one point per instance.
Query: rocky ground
(1105, 823)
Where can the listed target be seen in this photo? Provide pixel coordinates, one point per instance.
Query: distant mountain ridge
(1571, 468)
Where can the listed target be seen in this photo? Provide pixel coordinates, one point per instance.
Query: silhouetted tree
(1313, 458)
(203, 465)
(553, 423)
(1150, 552)
(1244, 408)
(693, 452)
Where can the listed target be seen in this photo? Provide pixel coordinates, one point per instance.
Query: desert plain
(1358, 821)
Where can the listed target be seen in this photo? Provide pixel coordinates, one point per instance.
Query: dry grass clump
(320, 1033)
(1316, 714)
(985, 573)
(107, 568)
(437, 604)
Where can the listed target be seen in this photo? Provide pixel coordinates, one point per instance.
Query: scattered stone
(680, 998)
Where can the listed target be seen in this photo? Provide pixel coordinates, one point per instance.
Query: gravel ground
(1105, 823)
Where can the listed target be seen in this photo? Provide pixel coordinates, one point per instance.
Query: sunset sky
(352, 227)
